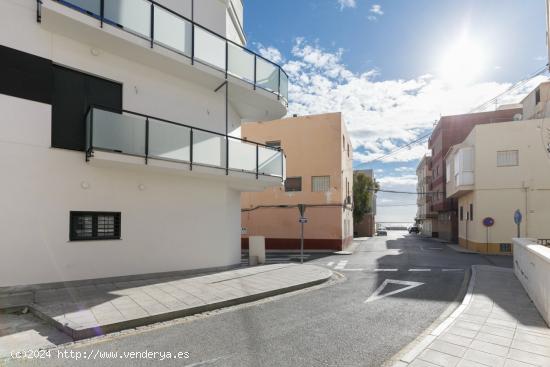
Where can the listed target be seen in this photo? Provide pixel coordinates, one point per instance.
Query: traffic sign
(517, 216)
(302, 220)
(488, 222)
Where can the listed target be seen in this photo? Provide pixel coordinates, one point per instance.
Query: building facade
(451, 130)
(367, 227)
(424, 214)
(121, 131)
(319, 158)
(493, 178)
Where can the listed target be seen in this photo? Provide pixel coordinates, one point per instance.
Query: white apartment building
(120, 136)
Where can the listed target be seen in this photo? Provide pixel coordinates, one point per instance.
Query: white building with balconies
(120, 136)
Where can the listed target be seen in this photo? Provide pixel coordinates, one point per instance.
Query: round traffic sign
(488, 222)
(517, 217)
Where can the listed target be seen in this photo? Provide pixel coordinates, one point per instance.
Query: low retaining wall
(532, 268)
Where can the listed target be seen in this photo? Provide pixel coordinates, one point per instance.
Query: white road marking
(376, 295)
(420, 269)
(452, 270)
(330, 263)
(386, 269)
(351, 269)
(341, 264)
(436, 248)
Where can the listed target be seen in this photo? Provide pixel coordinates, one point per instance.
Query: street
(329, 325)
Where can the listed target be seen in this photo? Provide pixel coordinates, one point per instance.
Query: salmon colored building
(319, 173)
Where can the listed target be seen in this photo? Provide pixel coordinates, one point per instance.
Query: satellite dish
(518, 117)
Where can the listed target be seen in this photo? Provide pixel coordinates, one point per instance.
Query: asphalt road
(329, 325)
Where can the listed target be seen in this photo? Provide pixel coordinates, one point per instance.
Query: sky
(394, 67)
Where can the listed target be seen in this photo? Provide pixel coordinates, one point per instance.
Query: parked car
(381, 231)
(414, 229)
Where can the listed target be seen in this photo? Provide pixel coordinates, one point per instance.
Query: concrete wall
(322, 153)
(532, 268)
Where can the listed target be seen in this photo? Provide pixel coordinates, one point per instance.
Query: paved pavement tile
(499, 327)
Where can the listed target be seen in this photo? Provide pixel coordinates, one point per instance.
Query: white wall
(174, 223)
(532, 268)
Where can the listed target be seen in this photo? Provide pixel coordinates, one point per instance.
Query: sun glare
(463, 62)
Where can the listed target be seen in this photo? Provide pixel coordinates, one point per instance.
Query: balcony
(164, 39)
(460, 163)
(136, 140)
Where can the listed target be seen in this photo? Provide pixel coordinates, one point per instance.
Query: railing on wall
(166, 28)
(139, 135)
(544, 242)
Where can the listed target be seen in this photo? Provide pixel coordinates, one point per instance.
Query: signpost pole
(302, 209)
(302, 243)
(517, 219)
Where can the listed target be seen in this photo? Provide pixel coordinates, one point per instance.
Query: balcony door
(73, 93)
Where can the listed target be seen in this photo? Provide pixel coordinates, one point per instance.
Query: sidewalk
(496, 325)
(92, 310)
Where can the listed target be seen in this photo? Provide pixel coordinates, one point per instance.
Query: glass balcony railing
(139, 135)
(166, 28)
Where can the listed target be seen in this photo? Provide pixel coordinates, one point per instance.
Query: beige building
(424, 212)
(319, 174)
(492, 178)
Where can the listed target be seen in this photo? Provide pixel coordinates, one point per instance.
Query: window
(293, 184)
(343, 142)
(348, 150)
(87, 226)
(461, 213)
(448, 172)
(320, 183)
(471, 212)
(508, 158)
(537, 96)
(273, 144)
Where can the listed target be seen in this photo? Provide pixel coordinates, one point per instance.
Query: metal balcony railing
(166, 28)
(139, 135)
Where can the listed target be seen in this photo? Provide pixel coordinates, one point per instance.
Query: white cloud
(270, 53)
(380, 114)
(397, 182)
(346, 4)
(376, 9)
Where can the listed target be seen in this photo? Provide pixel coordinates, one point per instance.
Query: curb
(85, 333)
(427, 338)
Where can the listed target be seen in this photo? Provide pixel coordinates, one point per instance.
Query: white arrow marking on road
(376, 295)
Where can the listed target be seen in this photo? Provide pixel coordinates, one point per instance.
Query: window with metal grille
(293, 184)
(505, 247)
(320, 183)
(87, 226)
(508, 158)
